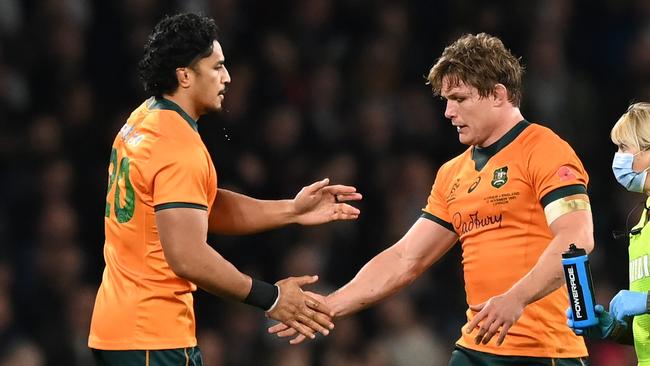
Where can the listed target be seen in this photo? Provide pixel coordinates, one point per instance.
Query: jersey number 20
(121, 172)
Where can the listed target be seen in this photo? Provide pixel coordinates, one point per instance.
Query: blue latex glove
(601, 330)
(628, 303)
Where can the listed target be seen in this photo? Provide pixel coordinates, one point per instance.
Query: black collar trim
(482, 155)
(166, 104)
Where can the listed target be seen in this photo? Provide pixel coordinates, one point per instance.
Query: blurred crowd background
(320, 88)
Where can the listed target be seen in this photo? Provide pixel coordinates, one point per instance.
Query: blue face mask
(625, 175)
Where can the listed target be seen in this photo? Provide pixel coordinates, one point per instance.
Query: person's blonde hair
(481, 61)
(633, 128)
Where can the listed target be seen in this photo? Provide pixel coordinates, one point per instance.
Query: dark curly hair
(176, 41)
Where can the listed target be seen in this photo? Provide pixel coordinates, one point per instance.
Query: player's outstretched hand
(494, 316)
(282, 330)
(319, 203)
(303, 313)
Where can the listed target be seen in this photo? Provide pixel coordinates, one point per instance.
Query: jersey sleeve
(179, 176)
(437, 209)
(555, 169)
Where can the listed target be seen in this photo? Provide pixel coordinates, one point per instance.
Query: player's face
(212, 77)
(469, 113)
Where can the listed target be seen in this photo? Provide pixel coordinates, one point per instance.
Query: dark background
(320, 88)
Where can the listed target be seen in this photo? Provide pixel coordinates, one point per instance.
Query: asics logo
(474, 185)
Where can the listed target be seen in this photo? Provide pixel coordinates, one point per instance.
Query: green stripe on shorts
(467, 357)
(164, 357)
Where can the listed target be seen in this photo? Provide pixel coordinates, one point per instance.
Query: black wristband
(262, 295)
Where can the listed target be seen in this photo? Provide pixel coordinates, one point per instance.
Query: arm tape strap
(562, 206)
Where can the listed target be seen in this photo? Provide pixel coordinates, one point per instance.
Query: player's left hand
(319, 203)
(298, 309)
(497, 314)
(628, 303)
(282, 330)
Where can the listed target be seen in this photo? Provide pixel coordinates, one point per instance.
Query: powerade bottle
(581, 288)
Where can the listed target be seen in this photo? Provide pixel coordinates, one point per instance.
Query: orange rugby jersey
(158, 161)
(494, 199)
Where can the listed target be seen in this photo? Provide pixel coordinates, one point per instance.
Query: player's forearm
(381, 277)
(210, 271)
(183, 236)
(234, 213)
(547, 275)
(394, 268)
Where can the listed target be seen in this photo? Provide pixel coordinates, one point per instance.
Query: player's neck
(185, 103)
(510, 118)
(505, 122)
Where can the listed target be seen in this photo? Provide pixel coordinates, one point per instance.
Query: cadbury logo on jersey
(500, 177)
(474, 221)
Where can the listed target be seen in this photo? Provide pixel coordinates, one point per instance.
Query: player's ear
(183, 77)
(500, 94)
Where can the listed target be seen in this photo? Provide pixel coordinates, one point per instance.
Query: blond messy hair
(633, 128)
(481, 61)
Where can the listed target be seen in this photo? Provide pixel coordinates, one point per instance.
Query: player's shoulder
(155, 131)
(168, 123)
(539, 139)
(171, 115)
(537, 133)
(543, 146)
(162, 121)
(455, 163)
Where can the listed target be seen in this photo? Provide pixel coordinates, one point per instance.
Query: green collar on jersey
(162, 103)
(482, 155)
